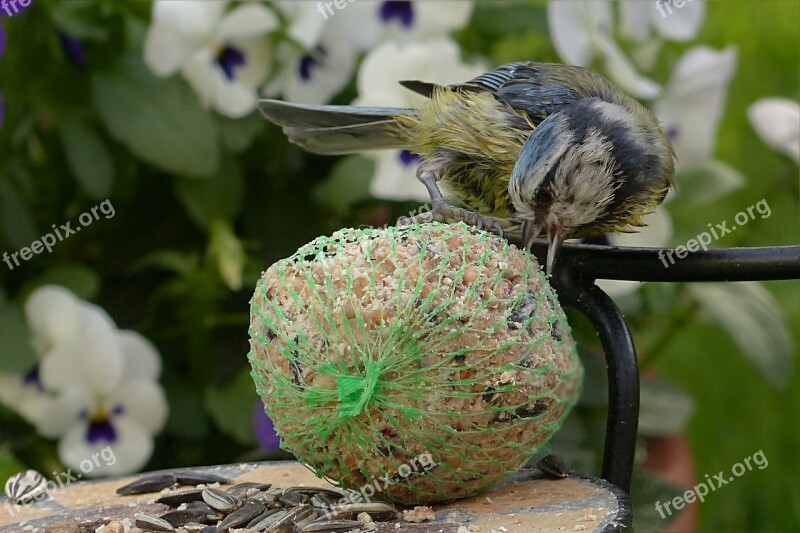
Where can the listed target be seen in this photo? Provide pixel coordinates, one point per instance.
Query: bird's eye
(544, 196)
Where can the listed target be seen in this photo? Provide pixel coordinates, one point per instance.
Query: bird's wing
(536, 89)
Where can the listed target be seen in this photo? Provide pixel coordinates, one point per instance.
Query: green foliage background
(204, 203)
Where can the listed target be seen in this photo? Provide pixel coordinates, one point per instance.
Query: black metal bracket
(579, 265)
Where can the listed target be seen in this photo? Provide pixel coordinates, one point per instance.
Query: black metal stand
(579, 265)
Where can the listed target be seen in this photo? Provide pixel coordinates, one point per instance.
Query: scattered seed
(151, 523)
(241, 490)
(182, 517)
(191, 477)
(174, 500)
(147, 484)
(26, 487)
(243, 515)
(325, 525)
(221, 500)
(553, 466)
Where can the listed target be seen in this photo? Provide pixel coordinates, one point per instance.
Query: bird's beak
(529, 233)
(555, 236)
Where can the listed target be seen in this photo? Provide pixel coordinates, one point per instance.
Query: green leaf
(185, 419)
(708, 182)
(754, 321)
(88, 158)
(9, 465)
(16, 352)
(81, 280)
(665, 408)
(231, 408)
(227, 251)
(647, 491)
(347, 184)
(16, 220)
(238, 134)
(169, 260)
(219, 197)
(69, 19)
(159, 120)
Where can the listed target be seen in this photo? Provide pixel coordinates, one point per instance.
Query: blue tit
(539, 149)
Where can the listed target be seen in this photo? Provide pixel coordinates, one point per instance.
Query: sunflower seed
(293, 499)
(325, 525)
(174, 500)
(26, 487)
(221, 500)
(553, 466)
(244, 514)
(149, 483)
(151, 523)
(243, 489)
(192, 477)
(273, 519)
(379, 511)
(262, 517)
(312, 491)
(194, 527)
(184, 516)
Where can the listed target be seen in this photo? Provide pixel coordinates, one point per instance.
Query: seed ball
(417, 364)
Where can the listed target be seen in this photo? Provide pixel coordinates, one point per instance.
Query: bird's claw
(449, 214)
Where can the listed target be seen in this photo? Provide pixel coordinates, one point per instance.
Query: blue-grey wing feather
(536, 89)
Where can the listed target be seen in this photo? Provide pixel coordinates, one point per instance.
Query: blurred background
(141, 195)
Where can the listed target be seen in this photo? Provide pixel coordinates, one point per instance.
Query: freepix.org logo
(11, 8)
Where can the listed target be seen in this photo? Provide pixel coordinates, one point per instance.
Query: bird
(536, 149)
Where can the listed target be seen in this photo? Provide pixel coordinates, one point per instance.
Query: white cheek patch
(584, 184)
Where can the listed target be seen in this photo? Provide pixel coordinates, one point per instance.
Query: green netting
(426, 362)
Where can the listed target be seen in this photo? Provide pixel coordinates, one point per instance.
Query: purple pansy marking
(12, 8)
(117, 410)
(31, 377)
(229, 59)
(73, 49)
(402, 10)
(309, 62)
(264, 430)
(408, 159)
(672, 133)
(101, 430)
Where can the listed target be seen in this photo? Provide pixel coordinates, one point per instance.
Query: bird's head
(582, 164)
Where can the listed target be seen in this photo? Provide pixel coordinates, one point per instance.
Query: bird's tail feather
(330, 129)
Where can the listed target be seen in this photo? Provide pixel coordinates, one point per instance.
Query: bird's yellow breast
(478, 138)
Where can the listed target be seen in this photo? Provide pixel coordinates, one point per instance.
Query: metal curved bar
(623, 377)
(579, 265)
(663, 264)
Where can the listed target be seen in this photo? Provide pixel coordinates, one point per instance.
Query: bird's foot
(449, 214)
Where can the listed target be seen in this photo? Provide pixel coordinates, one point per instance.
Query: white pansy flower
(316, 75)
(656, 234)
(638, 19)
(54, 315)
(225, 57)
(107, 396)
(692, 106)
(95, 386)
(777, 122)
(437, 61)
(581, 32)
(367, 23)
(305, 21)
